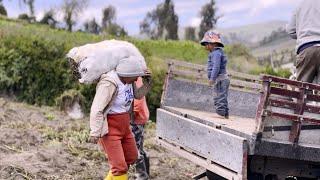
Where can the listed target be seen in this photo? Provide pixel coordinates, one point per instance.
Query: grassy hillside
(251, 34)
(34, 69)
(162, 49)
(248, 34)
(278, 45)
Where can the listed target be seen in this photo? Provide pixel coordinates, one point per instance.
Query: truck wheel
(271, 177)
(213, 176)
(255, 176)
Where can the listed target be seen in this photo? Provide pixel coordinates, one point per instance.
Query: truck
(273, 131)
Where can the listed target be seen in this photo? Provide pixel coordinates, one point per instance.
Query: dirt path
(43, 143)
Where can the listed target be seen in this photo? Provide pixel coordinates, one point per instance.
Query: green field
(33, 67)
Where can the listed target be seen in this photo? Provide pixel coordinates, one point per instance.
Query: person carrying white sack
(89, 61)
(110, 118)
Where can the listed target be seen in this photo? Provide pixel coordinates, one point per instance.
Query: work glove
(147, 76)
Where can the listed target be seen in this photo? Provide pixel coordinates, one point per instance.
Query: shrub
(154, 96)
(34, 69)
(285, 73)
(24, 17)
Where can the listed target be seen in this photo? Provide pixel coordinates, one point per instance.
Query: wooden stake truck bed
(273, 130)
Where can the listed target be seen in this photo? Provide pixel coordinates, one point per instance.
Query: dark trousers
(308, 64)
(221, 89)
(142, 163)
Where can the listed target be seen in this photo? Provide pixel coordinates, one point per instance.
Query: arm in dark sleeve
(209, 66)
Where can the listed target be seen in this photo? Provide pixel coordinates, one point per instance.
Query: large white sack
(95, 59)
(79, 53)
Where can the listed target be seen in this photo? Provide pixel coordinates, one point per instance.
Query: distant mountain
(278, 45)
(252, 34)
(249, 35)
(264, 40)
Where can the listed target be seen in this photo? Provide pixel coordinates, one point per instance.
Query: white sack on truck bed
(90, 61)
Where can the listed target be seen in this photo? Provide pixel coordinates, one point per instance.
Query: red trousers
(119, 144)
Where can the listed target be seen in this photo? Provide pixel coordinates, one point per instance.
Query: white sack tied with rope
(90, 61)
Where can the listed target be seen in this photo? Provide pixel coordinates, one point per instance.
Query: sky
(130, 13)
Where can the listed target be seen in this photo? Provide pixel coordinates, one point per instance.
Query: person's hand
(93, 139)
(211, 82)
(147, 75)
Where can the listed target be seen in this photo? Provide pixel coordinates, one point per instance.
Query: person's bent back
(305, 27)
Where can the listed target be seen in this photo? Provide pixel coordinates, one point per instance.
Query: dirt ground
(44, 143)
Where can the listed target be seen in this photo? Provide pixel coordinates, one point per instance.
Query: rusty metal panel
(292, 117)
(281, 103)
(263, 101)
(290, 82)
(308, 137)
(222, 148)
(289, 101)
(296, 126)
(311, 97)
(284, 92)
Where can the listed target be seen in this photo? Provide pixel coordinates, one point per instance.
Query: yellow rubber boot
(109, 176)
(122, 177)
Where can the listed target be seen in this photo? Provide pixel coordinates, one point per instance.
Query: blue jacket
(217, 62)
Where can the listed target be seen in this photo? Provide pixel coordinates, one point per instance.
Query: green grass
(183, 50)
(31, 55)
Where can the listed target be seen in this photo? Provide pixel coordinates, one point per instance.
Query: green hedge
(285, 73)
(35, 70)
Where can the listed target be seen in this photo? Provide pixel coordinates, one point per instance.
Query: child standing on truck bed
(217, 71)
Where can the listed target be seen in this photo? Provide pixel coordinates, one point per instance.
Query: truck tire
(271, 177)
(213, 176)
(255, 176)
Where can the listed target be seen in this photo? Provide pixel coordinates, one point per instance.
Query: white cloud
(252, 7)
(126, 12)
(195, 21)
(183, 7)
(234, 7)
(39, 14)
(269, 3)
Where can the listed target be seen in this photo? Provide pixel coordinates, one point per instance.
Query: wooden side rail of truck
(273, 131)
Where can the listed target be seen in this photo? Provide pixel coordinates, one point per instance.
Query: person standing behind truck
(140, 117)
(305, 28)
(217, 71)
